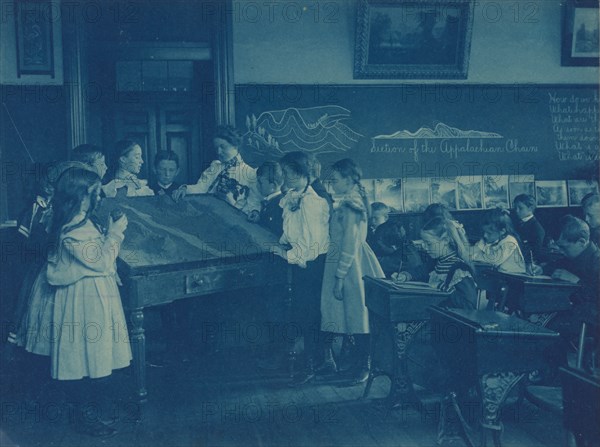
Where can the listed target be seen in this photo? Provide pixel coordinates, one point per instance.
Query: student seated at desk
(581, 265)
(451, 271)
(393, 250)
(441, 210)
(380, 214)
(528, 227)
(500, 245)
(591, 210)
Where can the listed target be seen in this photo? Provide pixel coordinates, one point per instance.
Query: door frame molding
(223, 65)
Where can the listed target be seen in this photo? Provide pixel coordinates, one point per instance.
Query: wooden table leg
(138, 347)
(402, 390)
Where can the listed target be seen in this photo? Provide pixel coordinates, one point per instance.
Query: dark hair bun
(229, 134)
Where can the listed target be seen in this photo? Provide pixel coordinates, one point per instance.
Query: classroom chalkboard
(550, 131)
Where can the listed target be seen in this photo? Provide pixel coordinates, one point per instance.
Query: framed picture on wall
(443, 190)
(469, 192)
(578, 189)
(520, 184)
(34, 40)
(416, 194)
(551, 193)
(389, 191)
(404, 39)
(495, 191)
(580, 33)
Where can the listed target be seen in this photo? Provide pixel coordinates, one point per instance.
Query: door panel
(179, 124)
(139, 124)
(163, 126)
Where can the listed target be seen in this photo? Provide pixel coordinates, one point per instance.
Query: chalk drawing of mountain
(315, 129)
(441, 130)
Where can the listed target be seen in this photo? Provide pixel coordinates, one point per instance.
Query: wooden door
(178, 131)
(138, 122)
(163, 126)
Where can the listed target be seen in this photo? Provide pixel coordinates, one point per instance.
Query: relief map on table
(199, 228)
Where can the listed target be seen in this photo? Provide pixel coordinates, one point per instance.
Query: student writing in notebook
(499, 246)
(451, 271)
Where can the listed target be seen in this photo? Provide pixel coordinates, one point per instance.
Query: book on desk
(412, 286)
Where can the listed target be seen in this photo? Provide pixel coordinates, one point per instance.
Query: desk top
(541, 280)
(407, 288)
(200, 230)
(493, 323)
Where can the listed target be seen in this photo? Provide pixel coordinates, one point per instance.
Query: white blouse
(135, 187)
(505, 255)
(306, 228)
(243, 173)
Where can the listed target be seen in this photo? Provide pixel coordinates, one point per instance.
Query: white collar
(164, 186)
(272, 195)
(527, 219)
(41, 201)
(238, 156)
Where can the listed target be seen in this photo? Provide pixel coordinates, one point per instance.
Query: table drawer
(166, 287)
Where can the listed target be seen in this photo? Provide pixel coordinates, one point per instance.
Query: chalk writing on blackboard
(575, 125)
(444, 139)
(316, 129)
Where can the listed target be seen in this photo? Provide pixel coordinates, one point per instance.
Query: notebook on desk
(542, 278)
(413, 286)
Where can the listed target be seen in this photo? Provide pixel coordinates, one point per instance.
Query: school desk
(399, 314)
(536, 298)
(486, 354)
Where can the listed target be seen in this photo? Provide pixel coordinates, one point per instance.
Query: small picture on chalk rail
(578, 189)
(443, 190)
(416, 194)
(389, 191)
(520, 184)
(551, 193)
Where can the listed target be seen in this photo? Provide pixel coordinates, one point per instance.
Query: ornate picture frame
(580, 33)
(425, 39)
(34, 39)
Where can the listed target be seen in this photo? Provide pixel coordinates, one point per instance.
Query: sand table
(198, 228)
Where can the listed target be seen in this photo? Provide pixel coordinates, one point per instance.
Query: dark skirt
(306, 293)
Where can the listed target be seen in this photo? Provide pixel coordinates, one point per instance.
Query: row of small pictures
(474, 192)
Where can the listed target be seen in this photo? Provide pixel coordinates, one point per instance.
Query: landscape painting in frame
(369, 186)
(520, 184)
(580, 40)
(443, 190)
(469, 192)
(410, 39)
(389, 191)
(495, 191)
(416, 194)
(578, 189)
(551, 193)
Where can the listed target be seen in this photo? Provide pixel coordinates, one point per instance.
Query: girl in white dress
(349, 259)
(89, 332)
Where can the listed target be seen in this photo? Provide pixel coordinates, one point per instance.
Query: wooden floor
(223, 399)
